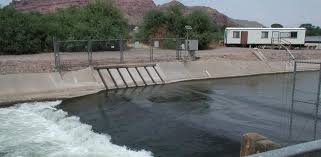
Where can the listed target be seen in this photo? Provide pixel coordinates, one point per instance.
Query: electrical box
(192, 45)
(137, 45)
(156, 44)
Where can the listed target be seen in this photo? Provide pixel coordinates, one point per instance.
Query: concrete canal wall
(47, 86)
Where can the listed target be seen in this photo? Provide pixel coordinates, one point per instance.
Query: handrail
(259, 54)
(286, 42)
(288, 51)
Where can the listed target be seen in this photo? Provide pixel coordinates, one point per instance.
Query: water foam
(40, 130)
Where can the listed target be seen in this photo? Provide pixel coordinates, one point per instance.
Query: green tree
(99, 20)
(203, 28)
(176, 21)
(23, 33)
(154, 21)
(311, 29)
(276, 25)
(171, 23)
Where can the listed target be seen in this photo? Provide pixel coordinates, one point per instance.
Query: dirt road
(39, 63)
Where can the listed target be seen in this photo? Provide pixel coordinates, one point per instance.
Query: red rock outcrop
(134, 10)
(218, 18)
(46, 6)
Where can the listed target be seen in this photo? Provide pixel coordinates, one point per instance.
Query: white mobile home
(264, 36)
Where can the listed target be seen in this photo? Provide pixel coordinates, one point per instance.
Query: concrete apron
(51, 86)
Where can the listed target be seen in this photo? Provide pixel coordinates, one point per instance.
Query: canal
(188, 119)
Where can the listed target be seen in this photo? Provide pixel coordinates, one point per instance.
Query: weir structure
(126, 76)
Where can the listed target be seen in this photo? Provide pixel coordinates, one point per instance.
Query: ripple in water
(40, 130)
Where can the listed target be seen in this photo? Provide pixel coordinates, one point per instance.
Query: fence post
(121, 50)
(55, 50)
(89, 50)
(292, 101)
(151, 50)
(317, 105)
(177, 49)
(56, 54)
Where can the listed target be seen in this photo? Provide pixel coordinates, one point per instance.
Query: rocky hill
(218, 18)
(134, 10)
(246, 23)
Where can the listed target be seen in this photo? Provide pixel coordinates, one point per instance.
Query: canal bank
(49, 86)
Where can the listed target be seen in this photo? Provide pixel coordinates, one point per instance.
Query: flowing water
(190, 119)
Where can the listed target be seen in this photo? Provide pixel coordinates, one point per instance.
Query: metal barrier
(316, 96)
(69, 54)
(309, 149)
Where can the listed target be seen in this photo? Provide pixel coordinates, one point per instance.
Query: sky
(290, 13)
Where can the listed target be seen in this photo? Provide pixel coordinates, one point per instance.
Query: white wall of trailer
(255, 35)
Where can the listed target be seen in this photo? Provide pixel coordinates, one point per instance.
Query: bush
(203, 28)
(311, 29)
(276, 25)
(168, 44)
(172, 23)
(25, 33)
(21, 33)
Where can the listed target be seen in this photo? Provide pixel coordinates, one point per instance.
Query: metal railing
(309, 149)
(288, 52)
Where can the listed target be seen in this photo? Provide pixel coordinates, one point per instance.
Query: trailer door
(244, 37)
(275, 37)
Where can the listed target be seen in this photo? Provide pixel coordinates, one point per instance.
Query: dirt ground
(39, 63)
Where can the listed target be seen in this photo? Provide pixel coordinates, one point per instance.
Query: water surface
(200, 118)
(190, 119)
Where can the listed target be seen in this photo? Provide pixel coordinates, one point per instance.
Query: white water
(40, 130)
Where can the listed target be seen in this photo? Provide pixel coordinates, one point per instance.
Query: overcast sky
(290, 13)
(287, 12)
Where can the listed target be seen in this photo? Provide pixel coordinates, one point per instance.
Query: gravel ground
(39, 63)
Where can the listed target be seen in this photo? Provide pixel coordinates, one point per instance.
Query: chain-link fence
(77, 54)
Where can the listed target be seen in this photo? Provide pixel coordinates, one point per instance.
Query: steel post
(317, 105)
(151, 51)
(89, 51)
(292, 102)
(177, 48)
(58, 57)
(121, 50)
(55, 52)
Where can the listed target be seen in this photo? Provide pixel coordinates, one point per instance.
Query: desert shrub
(25, 33)
(172, 22)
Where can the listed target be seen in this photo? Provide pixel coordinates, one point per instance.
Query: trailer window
(294, 34)
(265, 35)
(236, 34)
(285, 34)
